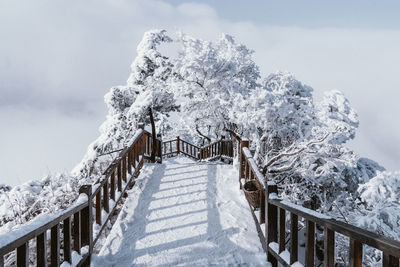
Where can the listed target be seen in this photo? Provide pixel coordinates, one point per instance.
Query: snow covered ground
(184, 213)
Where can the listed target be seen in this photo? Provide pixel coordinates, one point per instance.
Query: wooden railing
(82, 224)
(273, 211)
(218, 149)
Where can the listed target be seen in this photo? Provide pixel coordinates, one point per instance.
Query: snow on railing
(263, 197)
(83, 222)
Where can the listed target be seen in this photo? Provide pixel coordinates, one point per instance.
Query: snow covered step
(185, 213)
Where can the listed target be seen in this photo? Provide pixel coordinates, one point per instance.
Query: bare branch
(287, 154)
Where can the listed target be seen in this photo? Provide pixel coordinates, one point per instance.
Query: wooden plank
(294, 238)
(329, 247)
(282, 230)
(98, 208)
(67, 239)
(55, 246)
(23, 255)
(310, 243)
(76, 232)
(41, 250)
(355, 253)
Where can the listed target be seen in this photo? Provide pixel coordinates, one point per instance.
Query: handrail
(218, 149)
(273, 214)
(82, 225)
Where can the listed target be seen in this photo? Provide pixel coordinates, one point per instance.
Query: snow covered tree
(335, 112)
(211, 76)
(145, 98)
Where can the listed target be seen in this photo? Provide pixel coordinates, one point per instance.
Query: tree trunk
(153, 135)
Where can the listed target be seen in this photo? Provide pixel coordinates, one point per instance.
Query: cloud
(61, 57)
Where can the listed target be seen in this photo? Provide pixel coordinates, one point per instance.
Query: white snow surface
(184, 213)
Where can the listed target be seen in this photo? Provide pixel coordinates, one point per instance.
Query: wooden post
(355, 253)
(159, 147)
(282, 229)
(389, 260)
(67, 239)
(55, 245)
(293, 238)
(310, 228)
(329, 247)
(98, 208)
(77, 232)
(87, 220)
(178, 145)
(41, 250)
(119, 177)
(106, 197)
(271, 225)
(23, 255)
(245, 143)
(262, 206)
(112, 183)
(124, 168)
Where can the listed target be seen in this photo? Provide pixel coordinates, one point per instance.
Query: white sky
(58, 59)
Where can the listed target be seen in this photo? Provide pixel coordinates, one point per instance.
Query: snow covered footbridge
(187, 209)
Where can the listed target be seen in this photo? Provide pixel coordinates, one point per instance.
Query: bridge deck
(184, 213)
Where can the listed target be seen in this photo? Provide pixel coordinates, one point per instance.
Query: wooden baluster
(23, 255)
(55, 245)
(87, 221)
(389, 260)
(76, 231)
(191, 150)
(355, 253)
(112, 183)
(244, 143)
(293, 238)
(124, 168)
(41, 250)
(246, 173)
(310, 237)
(177, 144)
(129, 164)
(170, 147)
(282, 229)
(119, 177)
(98, 208)
(262, 207)
(329, 247)
(67, 239)
(271, 227)
(106, 197)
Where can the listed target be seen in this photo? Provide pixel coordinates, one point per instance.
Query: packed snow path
(183, 213)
